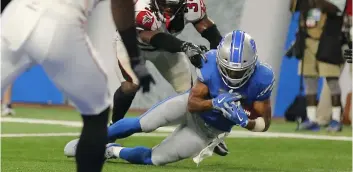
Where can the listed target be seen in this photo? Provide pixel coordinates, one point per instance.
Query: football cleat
(308, 125)
(6, 110)
(109, 151)
(334, 126)
(70, 148)
(221, 149)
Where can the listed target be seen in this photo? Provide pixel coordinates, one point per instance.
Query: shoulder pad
(196, 10)
(204, 74)
(266, 81)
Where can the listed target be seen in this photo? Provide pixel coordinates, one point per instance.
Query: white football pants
(54, 38)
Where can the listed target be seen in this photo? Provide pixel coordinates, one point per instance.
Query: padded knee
(129, 87)
(311, 85)
(334, 86)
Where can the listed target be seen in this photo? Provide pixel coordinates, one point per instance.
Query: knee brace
(334, 85)
(311, 85)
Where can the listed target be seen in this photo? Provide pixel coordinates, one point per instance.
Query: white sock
(116, 151)
(311, 111)
(336, 113)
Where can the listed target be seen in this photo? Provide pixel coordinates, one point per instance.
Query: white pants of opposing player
(53, 36)
(174, 67)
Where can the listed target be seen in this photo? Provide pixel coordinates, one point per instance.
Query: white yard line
(233, 134)
(42, 121)
(74, 134)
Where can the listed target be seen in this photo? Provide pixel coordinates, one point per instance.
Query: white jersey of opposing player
(33, 9)
(148, 20)
(51, 33)
(86, 6)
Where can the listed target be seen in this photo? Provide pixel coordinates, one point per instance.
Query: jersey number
(194, 6)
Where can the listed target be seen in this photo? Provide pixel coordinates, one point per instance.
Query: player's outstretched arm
(208, 29)
(170, 43)
(124, 18)
(198, 101)
(263, 122)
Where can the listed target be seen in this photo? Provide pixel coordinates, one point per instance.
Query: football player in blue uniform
(231, 80)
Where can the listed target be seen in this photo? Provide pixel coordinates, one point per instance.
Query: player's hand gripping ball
(249, 110)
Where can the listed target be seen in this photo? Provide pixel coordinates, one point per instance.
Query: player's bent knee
(183, 88)
(182, 83)
(158, 160)
(148, 126)
(129, 87)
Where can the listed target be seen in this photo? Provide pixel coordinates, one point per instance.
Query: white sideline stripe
(61, 122)
(42, 121)
(74, 134)
(233, 134)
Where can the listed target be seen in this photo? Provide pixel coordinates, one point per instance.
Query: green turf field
(250, 154)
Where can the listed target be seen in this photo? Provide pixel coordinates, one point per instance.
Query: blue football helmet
(236, 58)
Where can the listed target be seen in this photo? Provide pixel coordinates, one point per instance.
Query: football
(250, 111)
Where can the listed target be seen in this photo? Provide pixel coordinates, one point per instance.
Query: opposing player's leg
(174, 148)
(13, 63)
(169, 111)
(14, 35)
(72, 64)
(6, 108)
(123, 98)
(125, 94)
(175, 68)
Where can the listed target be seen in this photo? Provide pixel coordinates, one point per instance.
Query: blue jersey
(258, 88)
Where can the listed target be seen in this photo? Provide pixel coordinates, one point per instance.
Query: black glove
(348, 55)
(144, 76)
(204, 49)
(194, 53)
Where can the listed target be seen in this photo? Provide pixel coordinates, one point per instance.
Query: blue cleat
(334, 126)
(308, 125)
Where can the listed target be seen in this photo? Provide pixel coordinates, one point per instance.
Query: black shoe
(221, 149)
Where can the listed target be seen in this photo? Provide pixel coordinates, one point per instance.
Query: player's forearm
(208, 30)
(124, 18)
(213, 36)
(123, 14)
(199, 105)
(163, 41)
